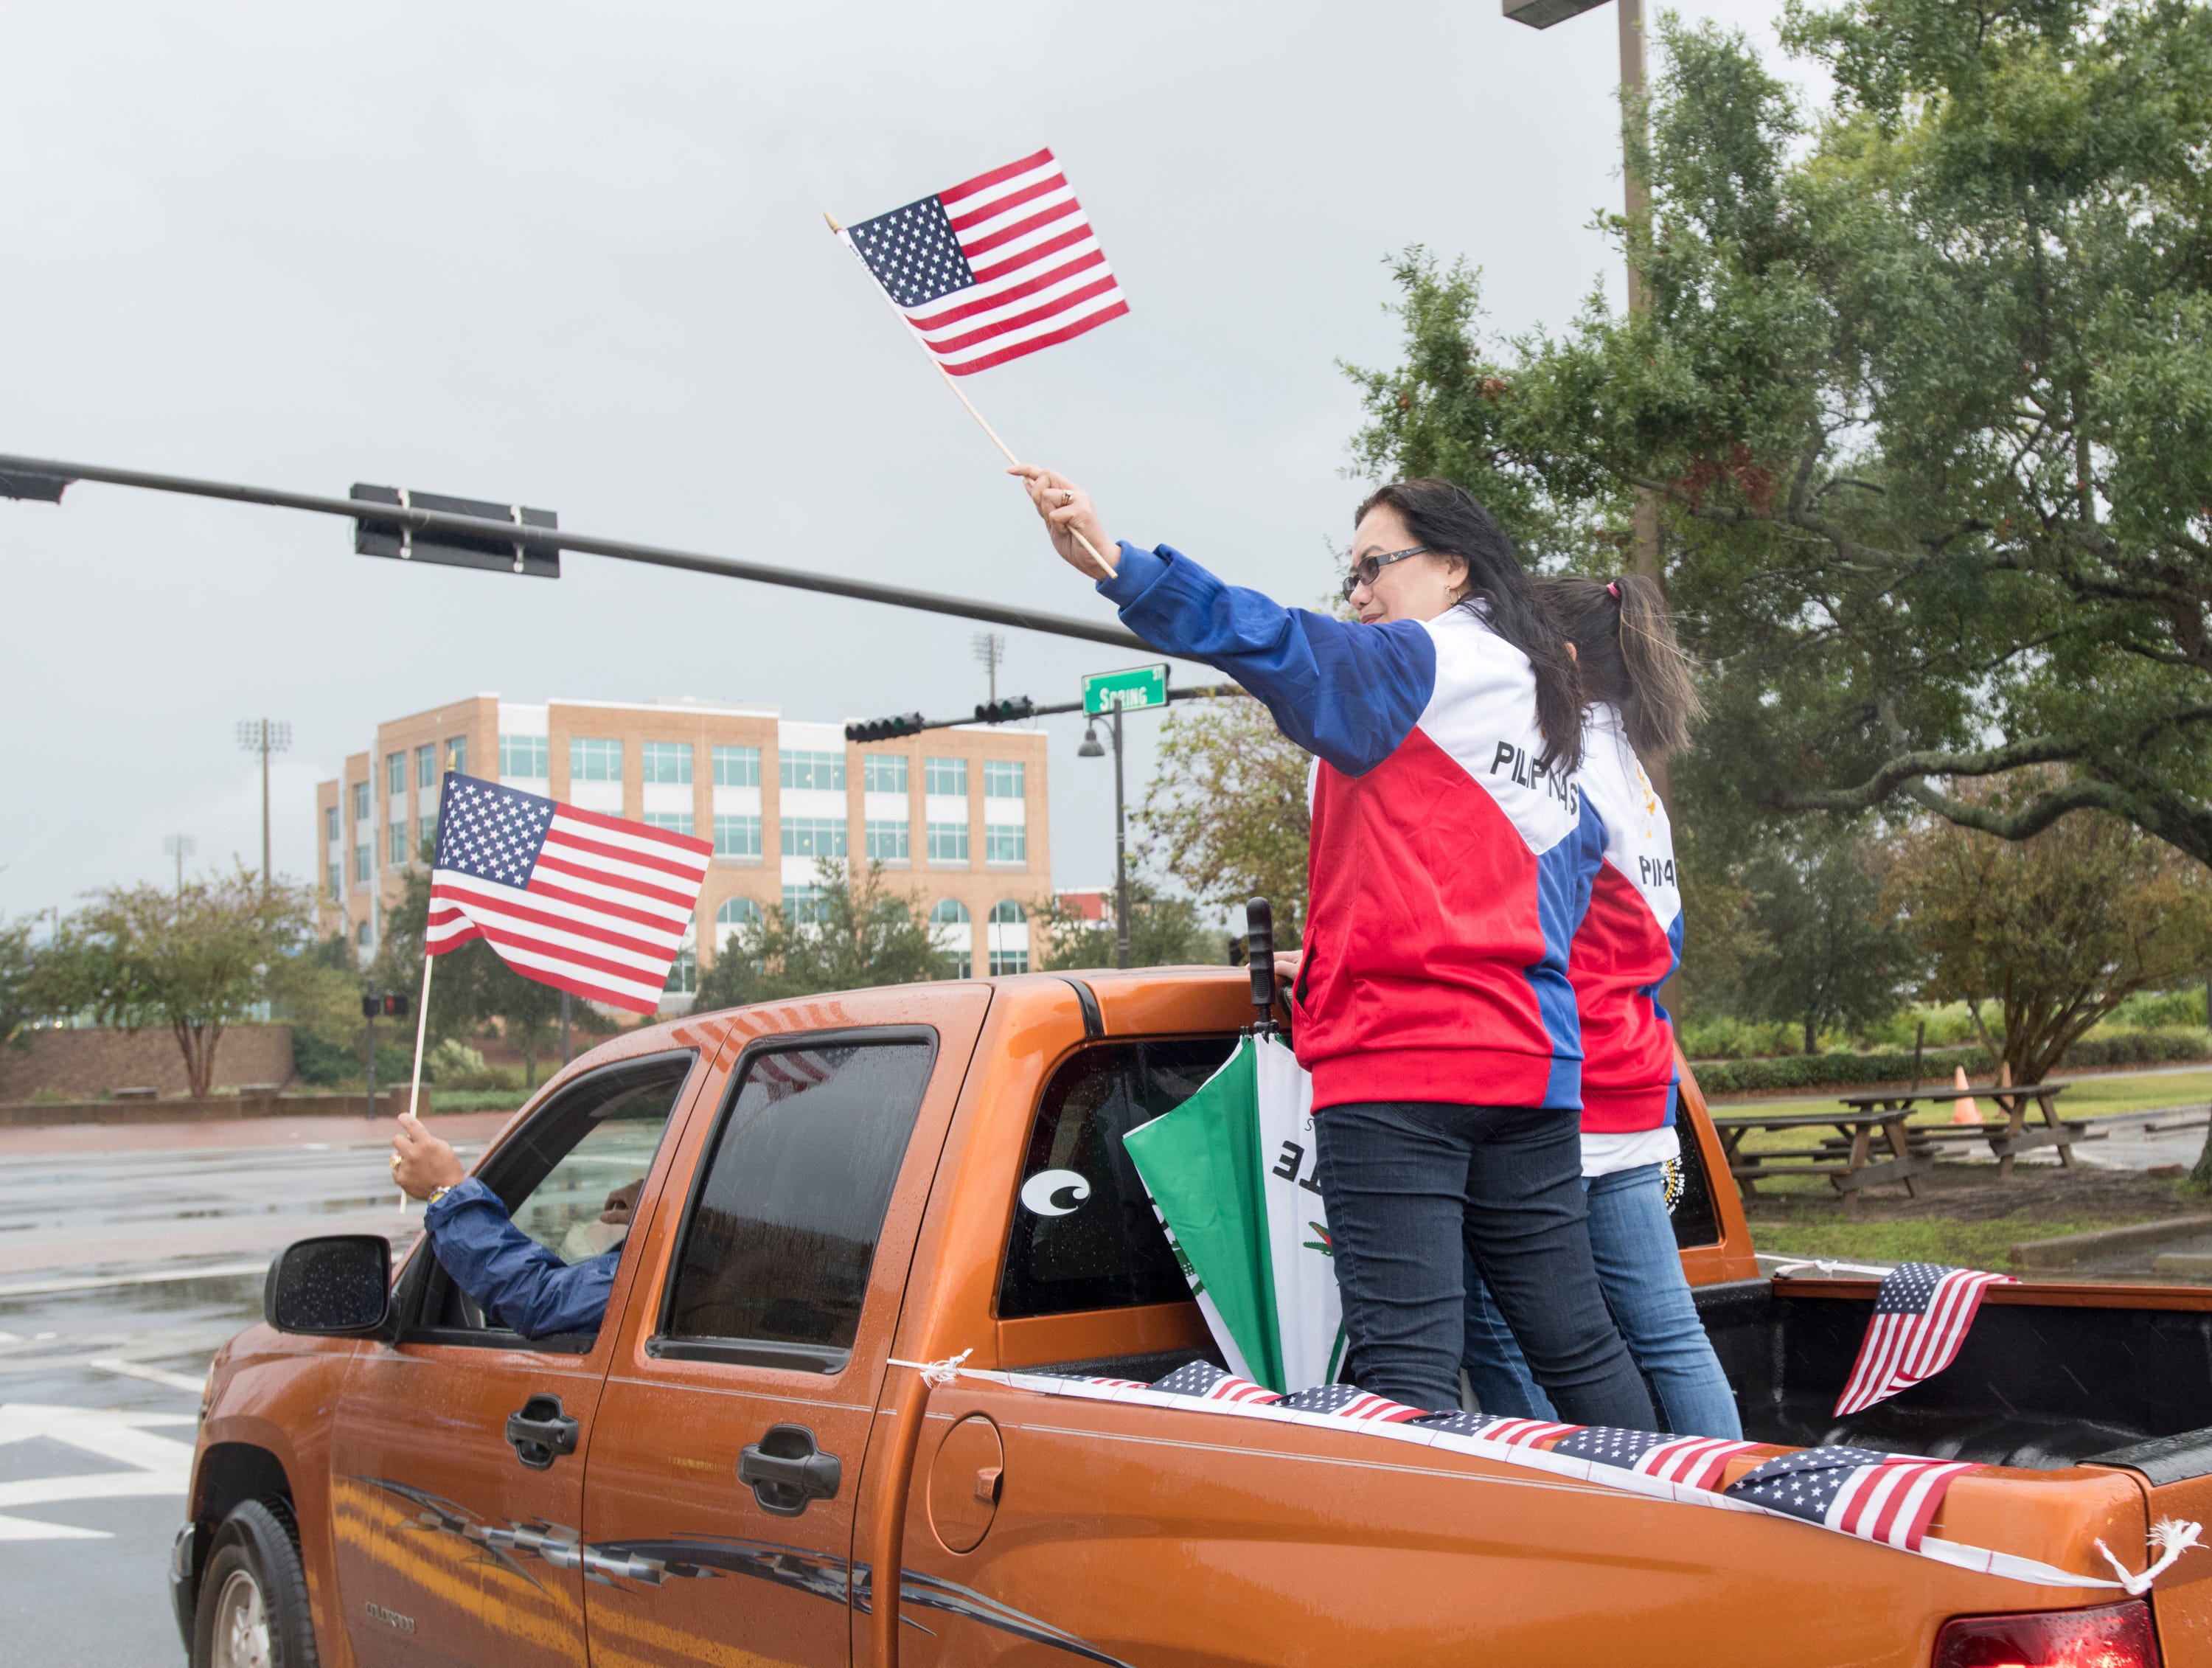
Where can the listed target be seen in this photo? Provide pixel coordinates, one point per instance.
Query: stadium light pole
(178, 846)
(266, 736)
(990, 649)
(1643, 538)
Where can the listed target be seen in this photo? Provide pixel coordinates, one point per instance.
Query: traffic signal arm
(1003, 712)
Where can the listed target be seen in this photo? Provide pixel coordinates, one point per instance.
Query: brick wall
(93, 1062)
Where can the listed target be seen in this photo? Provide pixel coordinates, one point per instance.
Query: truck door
(457, 1454)
(719, 1506)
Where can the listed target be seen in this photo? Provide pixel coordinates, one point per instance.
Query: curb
(2067, 1249)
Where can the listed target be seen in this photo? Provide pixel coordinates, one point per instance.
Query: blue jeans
(1413, 1188)
(1641, 1274)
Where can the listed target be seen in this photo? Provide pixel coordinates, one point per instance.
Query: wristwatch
(438, 1193)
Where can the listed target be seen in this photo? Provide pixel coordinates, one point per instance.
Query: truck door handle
(784, 1470)
(541, 1433)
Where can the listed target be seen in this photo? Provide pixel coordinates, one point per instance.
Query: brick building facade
(956, 815)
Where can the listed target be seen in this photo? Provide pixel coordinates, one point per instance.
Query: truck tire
(252, 1610)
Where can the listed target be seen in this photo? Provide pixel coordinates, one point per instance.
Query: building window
(594, 761)
(802, 905)
(684, 973)
(361, 801)
(426, 835)
(330, 824)
(950, 912)
(882, 773)
(737, 767)
(395, 843)
(363, 857)
(805, 769)
(1004, 844)
(1009, 950)
(457, 754)
(946, 777)
(948, 843)
(676, 822)
(737, 836)
(887, 840)
(813, 837)
(668, 761)
(361, 935)
(337, 881)
(395, 775)
(528, 758)
(735, 915)
(1003, 779)
(426, 766)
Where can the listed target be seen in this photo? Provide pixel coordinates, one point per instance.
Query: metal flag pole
(1105, 568)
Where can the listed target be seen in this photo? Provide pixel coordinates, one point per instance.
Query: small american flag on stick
(1921, 1317)
(588, 903)
(993, 267)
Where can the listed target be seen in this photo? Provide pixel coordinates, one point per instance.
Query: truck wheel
(252, 1610)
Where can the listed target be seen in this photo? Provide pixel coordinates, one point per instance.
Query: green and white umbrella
(1230, 1172)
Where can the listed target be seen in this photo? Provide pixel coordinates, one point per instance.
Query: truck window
(1690, 1195)
(1084, 1236)
(774, 1261)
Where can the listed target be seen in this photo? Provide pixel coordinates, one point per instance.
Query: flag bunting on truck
(1921, 1317)
(1885, 1498)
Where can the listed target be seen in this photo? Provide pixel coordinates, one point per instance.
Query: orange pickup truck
(839, 1187)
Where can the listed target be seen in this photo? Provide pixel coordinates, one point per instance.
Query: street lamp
(1091, 749)
(1636, 191)
(264, 736)
(178, 846)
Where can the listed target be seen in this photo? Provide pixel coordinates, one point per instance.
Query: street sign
(455, 549)
(1139, 687)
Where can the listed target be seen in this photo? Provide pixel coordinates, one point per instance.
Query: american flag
(1349, 1401)
(1210, 1384)
(1698, 1461)
(1875, 1496)
(996, 267)
(1496, 1428)
(588, 903)
(1921, 1317)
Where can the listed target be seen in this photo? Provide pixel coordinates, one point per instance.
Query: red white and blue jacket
(1629, 943)
(1448, 870)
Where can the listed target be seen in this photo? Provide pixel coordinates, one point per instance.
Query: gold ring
(395, 1160)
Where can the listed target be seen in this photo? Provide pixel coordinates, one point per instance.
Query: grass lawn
(1982, 1245)
(2092, 1096)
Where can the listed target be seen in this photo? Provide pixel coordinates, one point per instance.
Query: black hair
(1624, 635)
(1448, 520)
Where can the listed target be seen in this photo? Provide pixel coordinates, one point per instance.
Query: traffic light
(1006, 711)
(375, 1006)
(455, 549)
(884, 729)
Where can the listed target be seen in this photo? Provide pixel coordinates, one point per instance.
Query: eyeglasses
(1366, 568)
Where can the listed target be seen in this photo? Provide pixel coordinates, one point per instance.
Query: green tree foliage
(1926, 390)
(23, 999)
(1225, 815)
(854, 932)
(1826, 953)
(317, 990)
(2056, 930)
(195, 960)
(1163, 932)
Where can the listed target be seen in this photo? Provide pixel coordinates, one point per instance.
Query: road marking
(152, 1375)
(101, 1282)
(158, 1465)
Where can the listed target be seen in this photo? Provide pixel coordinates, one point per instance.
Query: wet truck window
(1084, 1235)
(783, 1231)
(582, 1208)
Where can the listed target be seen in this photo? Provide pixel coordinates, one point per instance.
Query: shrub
(1846, 1071)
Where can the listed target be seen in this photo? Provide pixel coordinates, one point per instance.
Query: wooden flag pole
(421, 1029)
(1106, 568)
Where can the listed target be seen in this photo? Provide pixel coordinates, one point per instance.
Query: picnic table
(1850, 1159)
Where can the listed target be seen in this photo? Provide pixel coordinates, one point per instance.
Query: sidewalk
(200, 1135)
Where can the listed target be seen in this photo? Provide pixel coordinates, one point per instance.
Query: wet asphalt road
(122, 1268)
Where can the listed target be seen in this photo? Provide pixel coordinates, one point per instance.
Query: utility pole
(990, 648)
(178, 846)
(266, 736)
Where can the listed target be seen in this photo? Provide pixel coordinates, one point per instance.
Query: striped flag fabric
(1889, 1498)
(993, 267)
(585, 902)
(1210, 1384)
(1921, 1317)
(1350, 1402)
(1697, 1461)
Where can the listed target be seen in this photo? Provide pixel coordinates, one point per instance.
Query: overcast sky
(574, 256)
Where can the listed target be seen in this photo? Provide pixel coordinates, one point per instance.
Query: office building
(957, 815)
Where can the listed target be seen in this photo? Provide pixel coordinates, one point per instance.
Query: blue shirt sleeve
(516, 1280)
(1347, 692)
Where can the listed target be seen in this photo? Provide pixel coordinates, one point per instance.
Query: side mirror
(334, 1286)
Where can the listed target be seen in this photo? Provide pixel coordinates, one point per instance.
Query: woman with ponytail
(1447, 868)
(1636, 680)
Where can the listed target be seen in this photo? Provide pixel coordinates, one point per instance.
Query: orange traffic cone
(1963, 1110)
